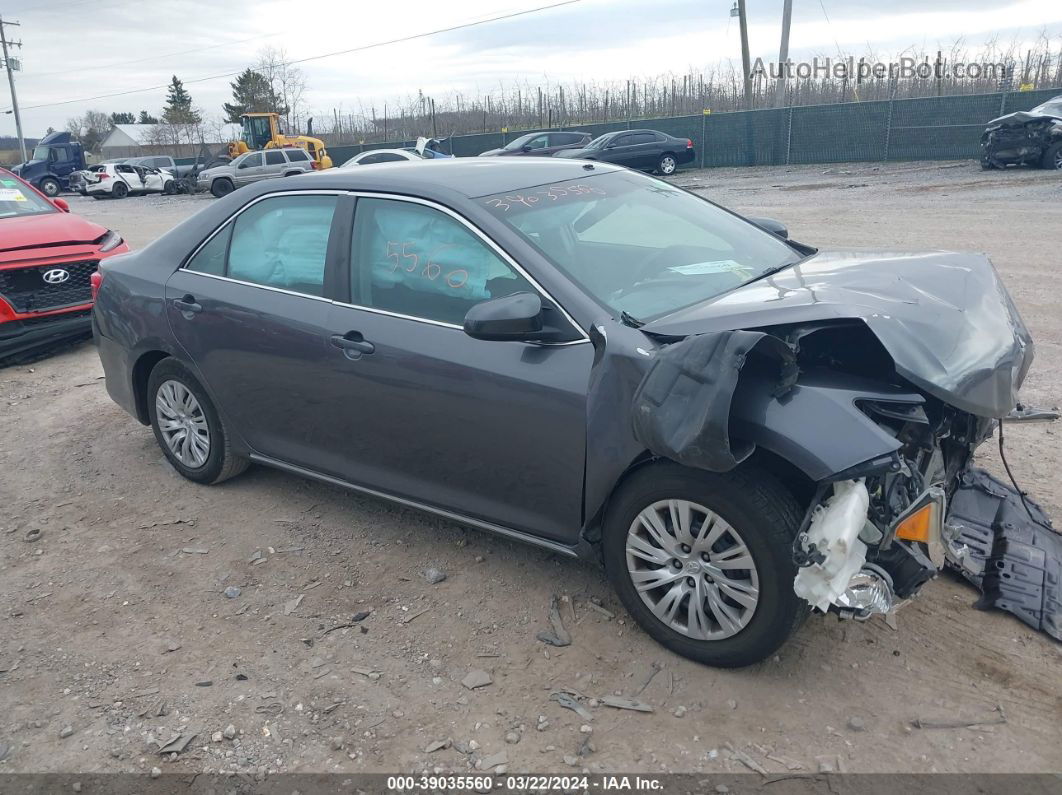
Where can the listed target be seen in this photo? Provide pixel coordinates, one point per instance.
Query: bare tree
(287, 81)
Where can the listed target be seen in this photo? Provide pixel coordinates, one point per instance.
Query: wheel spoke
(741, 591)
(698, 625)
(681, 519)
(669, 604)
(640, 548)
(653, 524)
(647, 579)
(722, 612)
(736, 557)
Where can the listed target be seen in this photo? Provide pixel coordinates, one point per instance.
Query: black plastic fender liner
(1014, 558)
(681, 409)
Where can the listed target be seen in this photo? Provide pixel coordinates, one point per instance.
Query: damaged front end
(1021, 139)
(878, 393)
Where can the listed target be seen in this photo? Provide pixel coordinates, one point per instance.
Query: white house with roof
(135, 140)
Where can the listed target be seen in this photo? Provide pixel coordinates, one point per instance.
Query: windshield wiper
(630, 320)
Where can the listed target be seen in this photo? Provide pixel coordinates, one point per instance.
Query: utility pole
(11, 82)
(746, 66)
(783, 53)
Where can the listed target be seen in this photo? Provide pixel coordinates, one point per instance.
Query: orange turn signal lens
(916, 526)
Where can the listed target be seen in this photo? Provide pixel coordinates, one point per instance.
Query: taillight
(95, 281)
(104, 175)
(689, 143)
(314, 165)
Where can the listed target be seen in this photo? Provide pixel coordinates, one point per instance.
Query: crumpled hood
(48, 229)
(1018, 119)
(945, 318)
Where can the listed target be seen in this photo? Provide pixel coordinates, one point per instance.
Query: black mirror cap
(514, 317)
(771, 225)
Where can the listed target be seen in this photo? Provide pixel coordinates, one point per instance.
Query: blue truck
(53, 160)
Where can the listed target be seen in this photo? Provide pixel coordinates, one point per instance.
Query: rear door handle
(188, 304)
(352, 343)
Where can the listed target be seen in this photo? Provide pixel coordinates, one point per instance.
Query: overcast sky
(76, 49)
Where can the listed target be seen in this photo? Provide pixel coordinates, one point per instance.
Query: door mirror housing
(515, 317)
(772, 226)
(525, 148)
(61, 205)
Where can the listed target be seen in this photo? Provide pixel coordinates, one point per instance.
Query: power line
(362, 48)
(156, 57)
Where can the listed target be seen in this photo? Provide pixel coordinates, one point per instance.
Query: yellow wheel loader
(262, 131)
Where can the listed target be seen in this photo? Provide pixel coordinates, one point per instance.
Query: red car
(48, 259)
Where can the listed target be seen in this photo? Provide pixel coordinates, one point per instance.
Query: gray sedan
(587, 359)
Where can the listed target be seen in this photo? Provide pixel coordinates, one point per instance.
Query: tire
(755, 510)
(221, 187)
(97, 196)
(1052, 158)
(667, 165)
(169, 188)
(50, 187)
(119, 190)
(218, 462)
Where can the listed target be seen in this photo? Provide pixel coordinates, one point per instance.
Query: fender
(817, 425)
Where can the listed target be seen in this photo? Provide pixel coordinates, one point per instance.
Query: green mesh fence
(924, 128)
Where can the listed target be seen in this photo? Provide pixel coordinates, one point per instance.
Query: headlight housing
(109, 242)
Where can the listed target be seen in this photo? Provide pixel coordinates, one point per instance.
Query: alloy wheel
(1058, 160)
(183, 424)
(667, 165)
(692, 570)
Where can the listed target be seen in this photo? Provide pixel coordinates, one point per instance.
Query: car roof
(469, 177)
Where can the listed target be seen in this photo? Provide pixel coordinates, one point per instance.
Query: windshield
(16, 199)
(639, 245)
(518, 142)
(1053, 107)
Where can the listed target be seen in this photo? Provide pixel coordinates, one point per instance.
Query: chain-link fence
(923, 128)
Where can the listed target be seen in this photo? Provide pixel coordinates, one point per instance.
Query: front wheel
(50, 187)
(221, 187)
(667, 165)
(703, 563)
(1052, 158)
(188, 427)
(169, 188)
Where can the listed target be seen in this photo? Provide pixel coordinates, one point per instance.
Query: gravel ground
(150, 607)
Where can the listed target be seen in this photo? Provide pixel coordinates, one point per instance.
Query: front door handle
(188, 304)
(352, 344)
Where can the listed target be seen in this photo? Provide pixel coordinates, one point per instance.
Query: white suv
(118, 180)
(253, 167)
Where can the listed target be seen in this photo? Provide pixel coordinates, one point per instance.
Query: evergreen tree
(123, 118)
(178, 109)
(146, 118)
(252, 93)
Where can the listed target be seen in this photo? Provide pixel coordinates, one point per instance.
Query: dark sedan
(588, 359)
(645, 150)
(540, 144)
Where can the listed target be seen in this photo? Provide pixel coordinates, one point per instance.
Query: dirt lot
(115, 628)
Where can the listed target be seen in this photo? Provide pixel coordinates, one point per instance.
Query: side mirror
(514, 317)
(525, 148)
(61, 205)
(772, 226)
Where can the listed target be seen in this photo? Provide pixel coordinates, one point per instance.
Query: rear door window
(278, 242)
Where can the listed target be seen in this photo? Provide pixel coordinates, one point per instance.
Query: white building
(134, 140)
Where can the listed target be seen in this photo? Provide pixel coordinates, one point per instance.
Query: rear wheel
(703, 563)
(120, 190)
(50, 187)
(1052, 158)
(667, 165)
(221, 187)
(188, 427)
